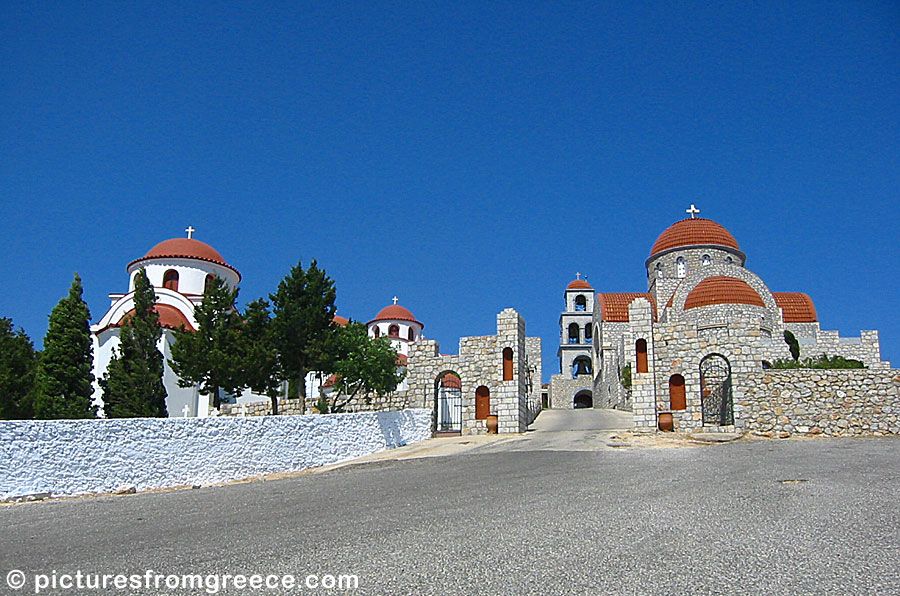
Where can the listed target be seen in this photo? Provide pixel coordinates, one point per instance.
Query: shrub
(820, 362)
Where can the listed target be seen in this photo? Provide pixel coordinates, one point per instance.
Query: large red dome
(694, 232)
(185, 248)
(395, 312)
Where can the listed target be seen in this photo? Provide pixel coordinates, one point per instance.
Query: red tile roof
(451, 380)
(693, 232)
(796, 307)
(395, 312)
(614, 305)
(722, 290)
(169, 318)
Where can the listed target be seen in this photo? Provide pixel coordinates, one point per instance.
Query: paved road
(695, 520)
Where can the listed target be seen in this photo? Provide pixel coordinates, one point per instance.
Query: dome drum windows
(170, 280)
(680, 267)
(394, 331)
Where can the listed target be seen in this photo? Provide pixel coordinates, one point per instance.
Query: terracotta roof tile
(722, 290)
(614, 305)
(693, 232)
(796, 307)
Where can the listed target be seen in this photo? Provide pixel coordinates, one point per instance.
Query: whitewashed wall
(69, 457)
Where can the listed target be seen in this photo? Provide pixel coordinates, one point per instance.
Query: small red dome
(796, 307)
(722, 290)
(395, 312)
(694, 232)
(579, 284)
(185, 248)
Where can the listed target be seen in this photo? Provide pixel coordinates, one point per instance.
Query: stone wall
(69, 457)
(480, 363)
(563, 389)
(821, 402)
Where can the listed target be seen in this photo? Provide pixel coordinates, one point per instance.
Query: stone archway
(715, 391)
(448, 402)
(583, 399)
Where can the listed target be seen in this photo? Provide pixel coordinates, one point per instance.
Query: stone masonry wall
(563, 389)
(821, 402)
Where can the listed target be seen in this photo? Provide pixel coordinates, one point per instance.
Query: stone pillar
(643, 386)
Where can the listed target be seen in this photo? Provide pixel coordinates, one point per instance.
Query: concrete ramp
(581, 420)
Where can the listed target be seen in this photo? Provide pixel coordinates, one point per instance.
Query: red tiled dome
(185, 248)
(395, 312)
(614, 305)
(169, 317)
(796, 307)
(722, 290)
(693, 232)
(579, 284)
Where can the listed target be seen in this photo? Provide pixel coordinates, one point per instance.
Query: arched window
(729, 260)
(507, 364)
(580, 303)
(394, 331)
(659, 270)
(207, 284)
(482, 403)
(573, 333)
(377, 332)
(587, 334)
(411, 335)
(640, 349)
(706, 260)
(681, 267)
(170, 280)
(581, 366)
(677, 398)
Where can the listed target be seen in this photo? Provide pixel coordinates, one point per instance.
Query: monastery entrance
(448, 403)
(715, 390)
(583, 399)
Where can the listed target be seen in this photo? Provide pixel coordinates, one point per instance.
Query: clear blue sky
(465, 156)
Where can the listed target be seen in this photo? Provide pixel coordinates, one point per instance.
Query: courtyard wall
(70, 457)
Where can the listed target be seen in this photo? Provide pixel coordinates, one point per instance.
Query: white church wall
(70, 457)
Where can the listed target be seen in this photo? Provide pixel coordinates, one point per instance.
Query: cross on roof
(578, 275)
(693, 211)
(190, 231)
(395, 299)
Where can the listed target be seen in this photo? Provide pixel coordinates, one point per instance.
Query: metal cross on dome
(190, 231)
(578, 275)
(692, 211)
(395, 299)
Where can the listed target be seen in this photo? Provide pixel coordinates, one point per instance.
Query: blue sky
(465, 156)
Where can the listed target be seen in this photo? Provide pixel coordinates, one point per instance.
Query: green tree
(18, 367)
(303, 310)
(133, 386)
(65, 377)
(211, 356)
(261, 371)
(364, 366)
(793, 344)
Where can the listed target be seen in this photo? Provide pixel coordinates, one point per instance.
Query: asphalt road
(699, 520)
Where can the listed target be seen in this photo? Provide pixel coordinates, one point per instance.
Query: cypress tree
(65, 377)
(211, 356)
(302, 331)
(18, 364)
(133, 386)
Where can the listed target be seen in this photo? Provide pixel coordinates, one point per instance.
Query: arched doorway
(482, 403)
(448, 403)
(583, 399)
(715, 390)
(677, 397)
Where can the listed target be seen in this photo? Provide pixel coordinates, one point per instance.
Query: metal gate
(715, 391)
(449, 408)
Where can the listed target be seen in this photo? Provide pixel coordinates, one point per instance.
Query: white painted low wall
(69, 457)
